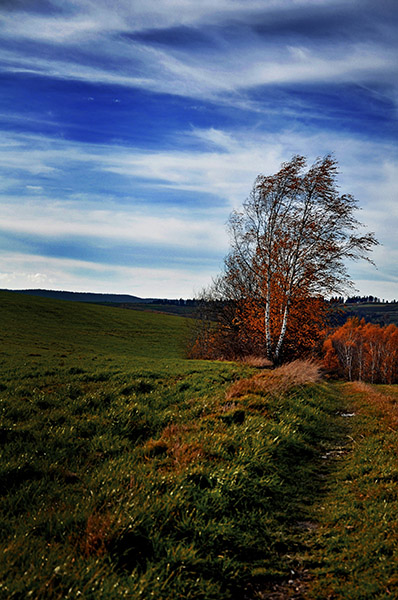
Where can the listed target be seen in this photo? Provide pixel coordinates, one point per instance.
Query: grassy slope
(170, 309)
(44, 330)
(125, 471)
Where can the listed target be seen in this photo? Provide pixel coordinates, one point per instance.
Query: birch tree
(290, 242)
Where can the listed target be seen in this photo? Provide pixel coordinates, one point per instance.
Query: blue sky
(131, 129)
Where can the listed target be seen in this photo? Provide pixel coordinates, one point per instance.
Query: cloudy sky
(130, 130)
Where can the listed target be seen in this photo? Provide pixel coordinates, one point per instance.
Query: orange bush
(363, 351)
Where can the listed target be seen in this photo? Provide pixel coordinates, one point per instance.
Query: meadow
(128, 471)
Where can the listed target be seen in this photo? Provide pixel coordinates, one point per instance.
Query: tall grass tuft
(277, 381)
(259, 362)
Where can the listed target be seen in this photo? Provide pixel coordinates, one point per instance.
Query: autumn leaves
(363, 351)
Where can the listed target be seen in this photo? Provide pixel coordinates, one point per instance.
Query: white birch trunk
(267, 321)
(282, 333)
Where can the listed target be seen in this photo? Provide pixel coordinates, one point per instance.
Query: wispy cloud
(100, 44)
(63, 220)
(225, 167)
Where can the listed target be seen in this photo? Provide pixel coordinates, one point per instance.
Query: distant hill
(378, 313)
(82, 296)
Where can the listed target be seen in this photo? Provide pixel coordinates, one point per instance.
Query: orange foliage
(173, 444)
(245, 335)
(97, 535)
(363, 351)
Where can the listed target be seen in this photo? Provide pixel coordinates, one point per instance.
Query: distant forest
(361, 300)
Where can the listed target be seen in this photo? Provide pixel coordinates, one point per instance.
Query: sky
(129, 131)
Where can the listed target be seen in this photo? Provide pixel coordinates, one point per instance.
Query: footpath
(347, 547)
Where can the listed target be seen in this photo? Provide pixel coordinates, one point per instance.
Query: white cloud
(54, 29)
(225, 167)
(33, 162)
(34, 188)
(60, 220)
(86, 16)
(19, 271)
(223, 73)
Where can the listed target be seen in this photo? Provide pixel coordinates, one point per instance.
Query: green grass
(356, 545)
(171, 309)
(126, 472)
(60, 332)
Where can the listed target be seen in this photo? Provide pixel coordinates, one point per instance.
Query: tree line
(360, 300)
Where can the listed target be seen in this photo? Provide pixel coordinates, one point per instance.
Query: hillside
(378, 313)
(128, 471)
(79, 296)
(173, 307)
(39, 332)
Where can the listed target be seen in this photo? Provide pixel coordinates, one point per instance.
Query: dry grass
(298, 372)
(380, 399)
(98, 532)
(256, 361)
(173, 444)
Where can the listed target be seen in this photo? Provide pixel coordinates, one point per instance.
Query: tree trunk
(282, 333)
(267, 325)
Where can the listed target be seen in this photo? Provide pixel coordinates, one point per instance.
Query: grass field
(128, 471)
